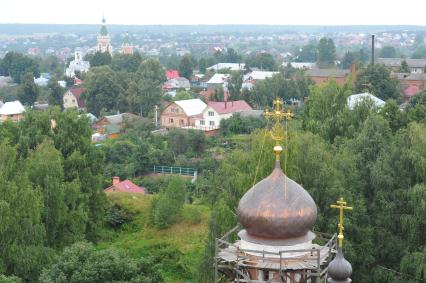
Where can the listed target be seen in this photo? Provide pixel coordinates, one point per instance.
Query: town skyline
(189, 12)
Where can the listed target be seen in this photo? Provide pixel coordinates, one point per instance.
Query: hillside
(175, 250)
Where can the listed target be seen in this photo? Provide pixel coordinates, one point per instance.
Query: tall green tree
(103, 90)
(308, 53)
(126, 62)
(234, 85)
(376, 78)
(144, 90)
(404, 68)
(326, 52)
(16, 65)
(56, 93)
(28, 91)
(100, 59)
(186, 66)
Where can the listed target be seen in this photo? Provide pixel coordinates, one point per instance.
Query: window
(211, 113)
(211, 123)
(202, 122)
(174, 110)
(66, 100)
(73, 101)
(171, 120)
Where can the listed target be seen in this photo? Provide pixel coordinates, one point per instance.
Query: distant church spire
(104, 40)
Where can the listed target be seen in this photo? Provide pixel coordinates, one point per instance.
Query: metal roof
(191, 107)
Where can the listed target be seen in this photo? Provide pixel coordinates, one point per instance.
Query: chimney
(372, 49)
(115, 180)
(353, 72)
(225, 103)
(232, 103)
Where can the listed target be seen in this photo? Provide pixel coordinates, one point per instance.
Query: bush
(117, 215)
(167, 205)
(81, 262)
(192, 215)
(9, 279)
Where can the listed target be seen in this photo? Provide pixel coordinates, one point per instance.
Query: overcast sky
(275, 12)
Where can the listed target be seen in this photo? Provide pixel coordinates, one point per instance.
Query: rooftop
(12, 108)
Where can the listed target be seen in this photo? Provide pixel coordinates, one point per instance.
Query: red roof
(411, 91)
(126, 186)
(172, 74)
(229, 106)
(208, 93)
(77, 93)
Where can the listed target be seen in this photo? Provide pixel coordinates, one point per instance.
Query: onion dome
(339, 269)
(277, 208)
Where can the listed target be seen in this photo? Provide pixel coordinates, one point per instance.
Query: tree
(52, 64)
(16, 64)
(81, 262)
(326, 52)
(144, 90)
(308, 53)
(103, 90)
(100, 59)
(126, 62)
(377, 79)
(234, 85)
(28, 91)
(22, 235)
(167, 206)
(186, 66)
(348, 59)
(404, 67)
(56, 93)
(263, 61)
(202, 65)
(387, 52)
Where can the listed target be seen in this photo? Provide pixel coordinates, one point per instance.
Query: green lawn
(184, 239)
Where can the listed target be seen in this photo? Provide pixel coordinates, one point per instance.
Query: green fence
(176, 170)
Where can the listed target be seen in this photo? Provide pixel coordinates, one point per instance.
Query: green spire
(104, 31)
(126, 39)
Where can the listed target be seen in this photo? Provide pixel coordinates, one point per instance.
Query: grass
(186, 236)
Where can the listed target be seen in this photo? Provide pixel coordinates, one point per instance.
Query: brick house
(320, 76)
(180, 114)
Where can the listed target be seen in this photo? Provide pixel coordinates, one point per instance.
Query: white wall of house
(211, 119)
(70, 101)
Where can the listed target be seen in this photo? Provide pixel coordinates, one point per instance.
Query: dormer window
(211, 113)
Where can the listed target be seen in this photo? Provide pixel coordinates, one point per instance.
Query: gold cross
(341, 205)
(278, 114)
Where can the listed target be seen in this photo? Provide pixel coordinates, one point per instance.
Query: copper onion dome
(277, 207)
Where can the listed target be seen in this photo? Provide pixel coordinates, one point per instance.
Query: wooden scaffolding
(233, 264)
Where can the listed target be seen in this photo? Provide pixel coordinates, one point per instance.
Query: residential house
(176, 84)
(12, 110)
(320, 76)
(182, 113)
(113, 125)
(410, 83)
(355, 99)
(415, 65)
(301, 65)
(216, 111)
(172, 74)
(73, 99)
(218, 80)
(227, 66)
(125, 186)
(251, 78)
(77, 65)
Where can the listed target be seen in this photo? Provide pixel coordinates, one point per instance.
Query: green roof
(104, 31)
(126, 39)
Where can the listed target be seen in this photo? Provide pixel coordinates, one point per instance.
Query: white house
(218, 80)
(229, 66)
(215, 111)
(250, 79)
(355, 99)
(77, 65)
(12, 110)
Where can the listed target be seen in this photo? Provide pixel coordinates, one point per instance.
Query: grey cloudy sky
(276, 12)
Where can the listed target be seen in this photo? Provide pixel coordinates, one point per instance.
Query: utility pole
(156, 116)
(372, 50)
